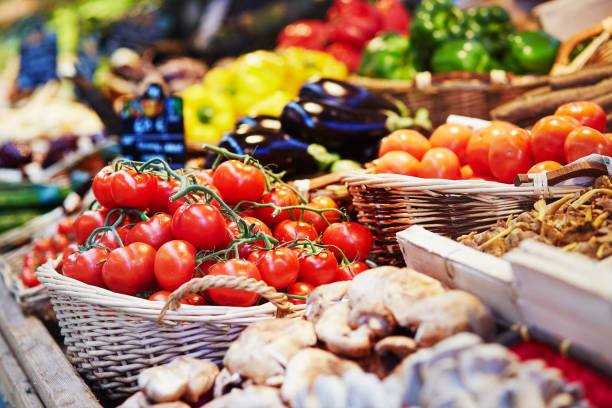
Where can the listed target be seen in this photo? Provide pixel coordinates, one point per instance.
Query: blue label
(38, 62)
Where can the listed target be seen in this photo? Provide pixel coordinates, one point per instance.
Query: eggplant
(261, 122)
(59, 148)
(344, 94)
(14, 155)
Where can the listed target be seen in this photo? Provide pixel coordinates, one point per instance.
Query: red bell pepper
(311, 34)
(353, 21)
(394, 16)
(346, 53)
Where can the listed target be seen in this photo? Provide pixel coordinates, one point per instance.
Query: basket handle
(197, 285)
(582, 169)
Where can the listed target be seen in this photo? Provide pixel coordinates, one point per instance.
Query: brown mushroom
(256, 396)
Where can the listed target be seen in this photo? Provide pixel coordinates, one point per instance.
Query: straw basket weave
(111, 337)
(389, 203)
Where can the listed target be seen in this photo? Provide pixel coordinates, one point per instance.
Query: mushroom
(139, 400)
(256, 396)
(323, 297)
(332, 329)
(400, 346)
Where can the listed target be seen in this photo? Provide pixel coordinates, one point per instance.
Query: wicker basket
(390, 203)
(111, 337)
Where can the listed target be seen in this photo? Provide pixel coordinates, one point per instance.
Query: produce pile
(402, 334)
(577, 224)
(499, 151)
(156, 229)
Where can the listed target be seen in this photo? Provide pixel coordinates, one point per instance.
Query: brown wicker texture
(111, 337)
(30, 300)
(389, 203)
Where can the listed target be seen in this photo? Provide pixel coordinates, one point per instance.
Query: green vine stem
(308, 242)
(165, 165)
(278, 209)
(198, 188)
(298, 297)
(98, 232)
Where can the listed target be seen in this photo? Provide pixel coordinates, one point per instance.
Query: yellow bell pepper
(305, 65)
(207, 114)
(221, 79)
(272, 105)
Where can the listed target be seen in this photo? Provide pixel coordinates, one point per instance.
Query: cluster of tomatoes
(157, 231)
(499, 151)
(45, 249)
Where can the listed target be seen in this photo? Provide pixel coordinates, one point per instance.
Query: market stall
(311, 204)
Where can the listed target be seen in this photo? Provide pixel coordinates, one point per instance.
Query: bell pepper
(435, 22)
(206, 114)
(388, 56)
(221, 79)
(460, 55)
(491, 27)
(272, 105)
(306, 64)
(394, 16)
(532, 51)
(310, 34)
(347, 53)
(353, 21)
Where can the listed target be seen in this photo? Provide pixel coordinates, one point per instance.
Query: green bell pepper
(532, 51)
(460, 55)
(491, 27)
(388, 56)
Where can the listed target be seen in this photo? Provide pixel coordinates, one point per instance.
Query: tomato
(86, 266)
(299, 289)
(288, 231)
(407, 140)
(318, 269)
(353, 239)
(587, 113)
(194, 197)
(129, 269)
(109, 240)
(397, 162)
(28, 259)
(466, 172)
(245, 250)
(238, 181)
(544, 166)
(316, 220)
(584, 141)
(28, 278)
(510, 154)
(203, 176)
(200, 224)
(194, 300)
(132, 189)
(154, 232)
(160, 296)
(281, 196)
(278, 267)
(42, 245)
(454, 137)
(477, 150)
(65, 226)
(232, 297)
(85, 223)
(440, 162)
(174, 264)
(548, 137)
(163, 190)
(348, 272)
(101, 187)
(71, 248)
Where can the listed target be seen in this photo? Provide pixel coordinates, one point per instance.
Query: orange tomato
(548, 137)
(544, 166)
(440, 162)
(466, 172)
(407, 140)
(584, 141)
(588, 113)
(477, 151)
(397, 162)
(510, 154)
(452, 136)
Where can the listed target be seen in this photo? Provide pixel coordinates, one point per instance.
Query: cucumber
(32, 196)
(13, 219)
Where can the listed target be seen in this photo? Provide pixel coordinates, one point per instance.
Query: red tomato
(232, 297)
(197, 197)
(71, 248)
(510, 154)
(318, 269)
(407, 140)
(353, 239)
(348, 272)
(238, 181)
(544, 166)
(203, 177)
(548, 137)
(310, 34)
(174, 264)
(109, 240)
(28, 259)
(466, 172)
(65, 226)
(440, 162)
(86, 266)
(129, 269)
(101, 187)
(163, 191)
(245, 250)
(299, 289)
(477, 150)
(584, 141)
(281, 196)
(288, 231)
(278, 267)
(454, 137)
(28, 278)
(85, 223)
(346, 53)
(194, 300)
(154, 232)
(317, 221)
(160, 296)
(200, 224)
(587, 113)
(132, 189)
(397, 162)
(42, 245)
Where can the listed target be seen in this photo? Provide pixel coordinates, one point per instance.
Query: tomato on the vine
(59, 242)
(42, 245)
(174, 264)
(163, 191)
(155, 232)
(348, 272)
(66, 226)
(160, 296)
(318, 269)
(129, 269)
(203, 177)
(587, 113)
(245, 250)
(200, 224)
(101, 187)
(278, 267)
(353, 239)
(28, 278)
(132, 189)
(238, 181)
(510, 154)
(86, 266)
(299, 289)
(194, 300)
(232, 297)
(281, 196)
(109, 240)
(317, 221)
(288, 231)
(193, 197)
(88, 221)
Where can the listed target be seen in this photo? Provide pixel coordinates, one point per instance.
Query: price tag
(38, 62)
(153, 127)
